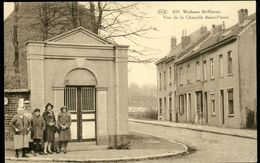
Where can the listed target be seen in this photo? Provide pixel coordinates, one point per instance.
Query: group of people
(36, 134)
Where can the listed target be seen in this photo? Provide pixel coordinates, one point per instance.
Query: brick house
(213, 84)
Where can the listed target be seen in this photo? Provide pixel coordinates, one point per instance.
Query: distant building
(210, 77)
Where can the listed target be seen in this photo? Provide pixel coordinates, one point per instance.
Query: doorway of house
(81, 101)
(170, 108)
(189, 108)
(199, 107)
(206, 107)
(222, 108)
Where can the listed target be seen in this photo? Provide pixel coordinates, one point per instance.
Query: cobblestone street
(209, 147)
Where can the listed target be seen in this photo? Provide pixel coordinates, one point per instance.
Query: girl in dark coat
(64, 122)
(50, 122)
(38, 126)
(21, 126)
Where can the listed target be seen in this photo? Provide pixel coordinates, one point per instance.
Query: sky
(169, 19)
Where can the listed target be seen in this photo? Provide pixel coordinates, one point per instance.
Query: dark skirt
(49, 133)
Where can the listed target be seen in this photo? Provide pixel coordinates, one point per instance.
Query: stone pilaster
(35, 60)
(101, 115)
(58, 100)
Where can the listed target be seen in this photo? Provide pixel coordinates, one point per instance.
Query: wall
(191, 87)
(166, 90)
(161, 93)
(247, 64)
(213, 86)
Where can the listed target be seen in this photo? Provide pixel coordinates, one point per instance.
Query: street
(209, 147)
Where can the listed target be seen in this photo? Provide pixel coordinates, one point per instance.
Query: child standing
(64, 122)
(21, 126)
(38, 127)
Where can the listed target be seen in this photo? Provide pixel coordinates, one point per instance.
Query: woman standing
(38, 126)
(50, 122)
(64, 122)
(21, 126)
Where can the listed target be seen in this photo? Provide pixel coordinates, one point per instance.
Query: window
(205, 70)
(229, 62)
(230, 102)
(198, 70)
(170, 103)
(164, 73)
(213, 109)
(221, 65)
(87, 99)
(181, 104)
(211, 68)
(160, 81)
(181, 76)
(188, 74)
(70, 98)
(160, 106)
(170, 75)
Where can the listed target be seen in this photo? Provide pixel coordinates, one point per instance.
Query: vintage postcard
(104, 81)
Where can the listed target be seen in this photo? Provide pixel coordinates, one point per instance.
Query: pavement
(142, 147)
(244, 133)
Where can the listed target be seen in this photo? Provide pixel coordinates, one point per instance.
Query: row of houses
(210, 77)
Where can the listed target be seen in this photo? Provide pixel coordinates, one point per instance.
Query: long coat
(49, 117)
(29, 114)
(21, 136)
(64, 119)
(38, 127)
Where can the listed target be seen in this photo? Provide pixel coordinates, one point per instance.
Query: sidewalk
(142, 147)
(245, 133)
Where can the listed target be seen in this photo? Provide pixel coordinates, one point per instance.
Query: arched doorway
(80, 98)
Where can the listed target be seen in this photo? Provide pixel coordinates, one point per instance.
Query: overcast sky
(216, 13)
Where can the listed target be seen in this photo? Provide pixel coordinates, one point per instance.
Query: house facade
(214, 84)
(86, 73)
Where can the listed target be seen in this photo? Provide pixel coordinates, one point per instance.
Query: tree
(15, 42)
(113, 20)
(72, 13)
(49, 16)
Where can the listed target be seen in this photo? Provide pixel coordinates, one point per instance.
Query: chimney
(185, 40)
(173, 42)
(242, 15)
(203, 29)
(216, 28)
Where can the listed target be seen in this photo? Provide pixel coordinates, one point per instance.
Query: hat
(26, 102)
(37, 110)
(63, 107)
(49, 104)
